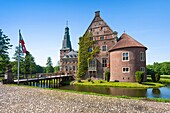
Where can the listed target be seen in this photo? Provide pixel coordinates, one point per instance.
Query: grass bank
(103, 83)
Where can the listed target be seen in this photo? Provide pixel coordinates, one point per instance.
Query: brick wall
(134, 64)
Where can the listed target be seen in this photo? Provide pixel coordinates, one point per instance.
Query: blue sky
(42, 24)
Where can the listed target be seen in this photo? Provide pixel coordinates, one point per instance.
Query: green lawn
(120, 84)
(1, 78)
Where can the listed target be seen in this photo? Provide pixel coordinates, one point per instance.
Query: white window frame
(105, 63)
(125, 69)
(102, 48)
(142, 56)
(142, 69)
(123, 56)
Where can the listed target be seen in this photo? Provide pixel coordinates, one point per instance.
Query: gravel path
(18, 99)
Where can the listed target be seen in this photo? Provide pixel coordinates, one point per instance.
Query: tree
(4, 47)
(160, 68)
(39, 69)
(87, 51)
(139, 76)
(29, 64)
(49, 68)
(15, 63)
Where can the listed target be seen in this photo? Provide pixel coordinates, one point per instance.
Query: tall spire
(66, 41)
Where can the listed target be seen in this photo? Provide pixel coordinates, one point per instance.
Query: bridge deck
(42, 78)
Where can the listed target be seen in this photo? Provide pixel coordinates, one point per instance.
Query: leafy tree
(29, 64)
(4, 47)
(15, 63)
(139, 76)
(39, 69)
(160, 68)
(57, 68)
(84, 55)
(49, 68)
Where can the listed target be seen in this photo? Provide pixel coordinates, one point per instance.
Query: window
(142, 56)
(103, 48)
(91, 38)
(66, 68)
(142, 69)
(125, 70)
(90, 49)
(74, 68)
(92, 63)
(102, 38)
(104, 62)
(125, 56)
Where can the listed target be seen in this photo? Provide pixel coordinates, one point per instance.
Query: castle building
(105, 38)
(122, 56)
(127, 57)
(68, 57)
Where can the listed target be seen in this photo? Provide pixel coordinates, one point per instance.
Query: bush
(78, 80)
(100, 81)
(107, 75)
(92, 81)
(139, 76)
(157, 77)
(88, 79)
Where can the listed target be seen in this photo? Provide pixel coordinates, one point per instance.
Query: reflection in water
(156, 92)
(163, 92)
(134, 92)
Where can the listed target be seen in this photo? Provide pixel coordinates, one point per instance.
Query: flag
(21, 41)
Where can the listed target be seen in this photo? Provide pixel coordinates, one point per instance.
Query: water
(163, 92)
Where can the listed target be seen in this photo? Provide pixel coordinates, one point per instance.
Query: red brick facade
(127, 57)
(105, 38)
(134, 64)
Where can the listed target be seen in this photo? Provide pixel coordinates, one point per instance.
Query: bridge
(45, 79)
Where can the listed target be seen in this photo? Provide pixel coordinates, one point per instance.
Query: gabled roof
(98, 22)
(126, 41)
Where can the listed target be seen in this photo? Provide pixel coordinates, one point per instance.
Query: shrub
(78, 80)
(92, 81)
(107, 75)
(157, 77)
(139, 76)
(88, 79)
(100, 81)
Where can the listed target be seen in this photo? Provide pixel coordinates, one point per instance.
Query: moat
(162, 92)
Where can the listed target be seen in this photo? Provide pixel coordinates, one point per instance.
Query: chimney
(97, 13)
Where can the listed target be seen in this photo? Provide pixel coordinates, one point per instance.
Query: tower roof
(66, 41)
(126, 41)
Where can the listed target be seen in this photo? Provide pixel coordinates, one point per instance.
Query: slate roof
(71, 54)
(126, 41)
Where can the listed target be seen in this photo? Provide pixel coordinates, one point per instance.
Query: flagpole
(18, 56)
